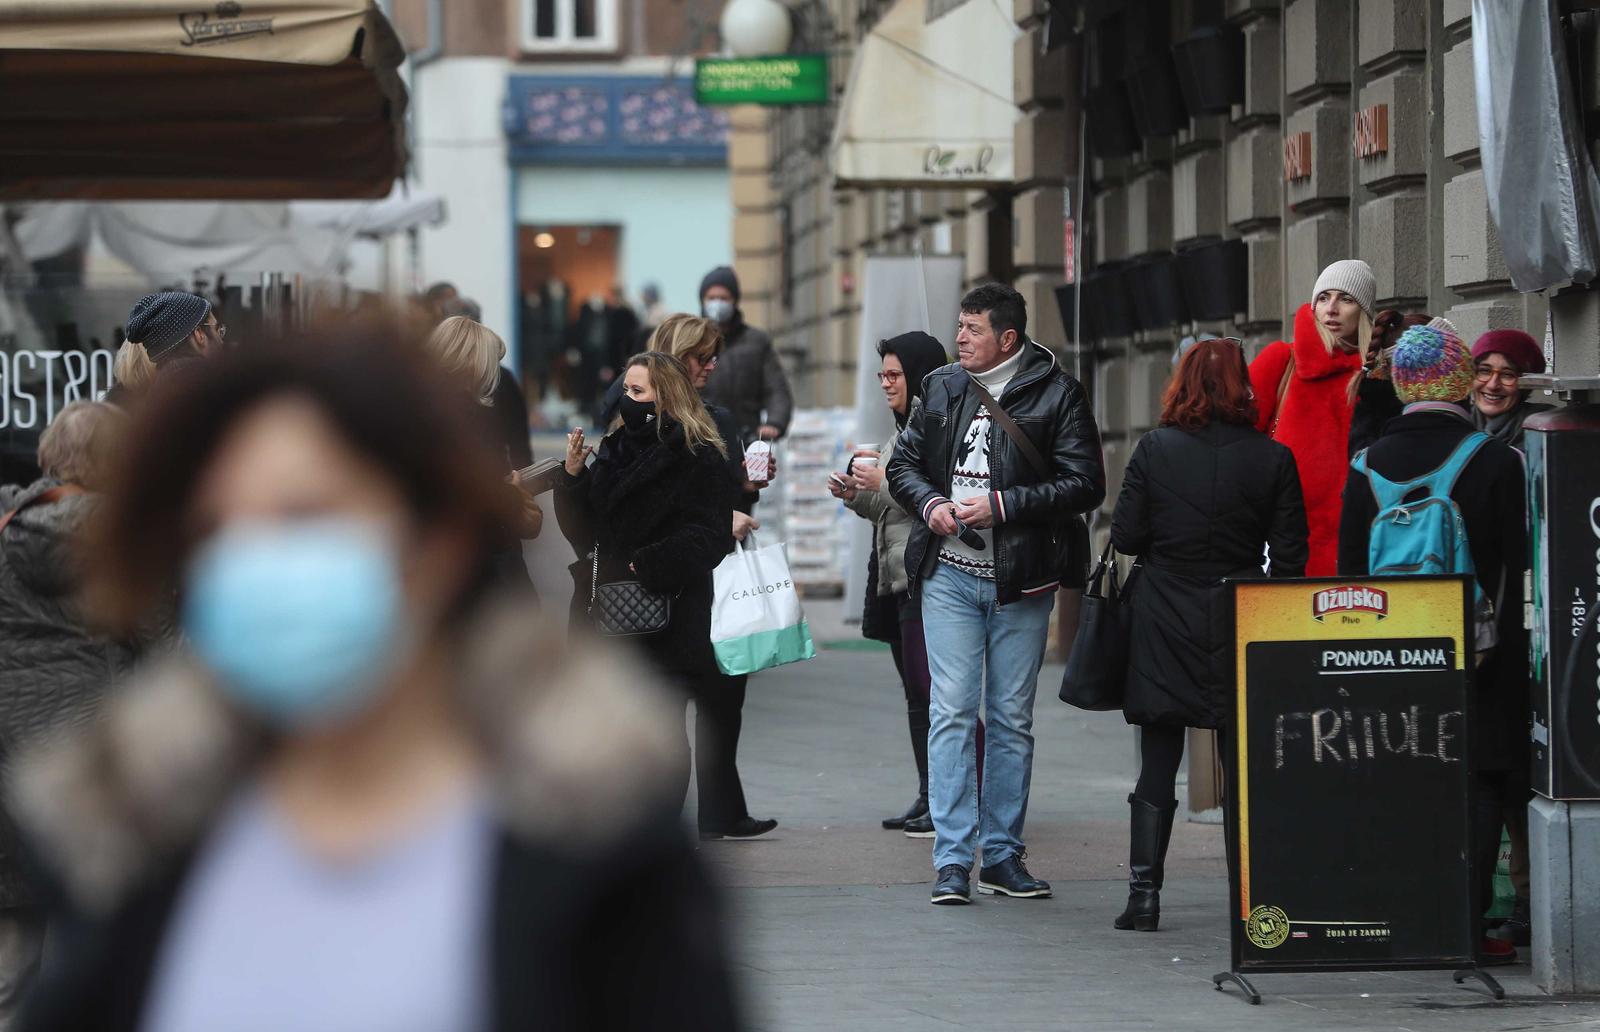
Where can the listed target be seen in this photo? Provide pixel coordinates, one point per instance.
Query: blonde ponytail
(134, 369)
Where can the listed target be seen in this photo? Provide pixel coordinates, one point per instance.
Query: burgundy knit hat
(1520, 349)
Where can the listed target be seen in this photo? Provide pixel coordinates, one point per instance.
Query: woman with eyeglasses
(890, 614)
(1202, 495)
(1499, 405)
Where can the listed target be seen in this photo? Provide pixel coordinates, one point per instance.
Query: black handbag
(1097, 669)
(624, 609)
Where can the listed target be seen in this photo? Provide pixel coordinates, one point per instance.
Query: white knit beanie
(1354, 277)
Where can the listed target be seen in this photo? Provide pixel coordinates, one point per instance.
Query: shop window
(569, 25)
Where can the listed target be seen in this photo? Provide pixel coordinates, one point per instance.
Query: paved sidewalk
(834, 931)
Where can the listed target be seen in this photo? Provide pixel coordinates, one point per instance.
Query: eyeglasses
(220, 329)
(1235, 341)
(1488, 374)
(893, 376)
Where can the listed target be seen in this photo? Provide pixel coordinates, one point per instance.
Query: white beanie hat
(1354, 277)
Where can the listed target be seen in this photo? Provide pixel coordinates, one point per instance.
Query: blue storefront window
(621, 120)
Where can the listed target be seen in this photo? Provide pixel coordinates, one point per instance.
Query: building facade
(566, 141)
(1230, 150)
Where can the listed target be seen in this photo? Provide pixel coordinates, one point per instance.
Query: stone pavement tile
(833, 931)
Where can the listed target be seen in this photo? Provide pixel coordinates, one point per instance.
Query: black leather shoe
(920, 827)
(744, 827)
(918, 809)
(1010, 877)
(951, 889)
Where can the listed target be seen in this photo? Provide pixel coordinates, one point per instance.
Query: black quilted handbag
(624, 609)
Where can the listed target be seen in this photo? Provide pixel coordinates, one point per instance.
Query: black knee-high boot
(1150, 830)
(917, 718)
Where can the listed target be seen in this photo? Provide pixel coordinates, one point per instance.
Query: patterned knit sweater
(970, 478)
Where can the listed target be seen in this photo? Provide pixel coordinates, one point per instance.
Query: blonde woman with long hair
(719, 705)
(1306, 392)
(654, 507)
(469, 352)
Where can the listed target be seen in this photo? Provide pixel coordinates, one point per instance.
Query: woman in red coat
(1306, 390)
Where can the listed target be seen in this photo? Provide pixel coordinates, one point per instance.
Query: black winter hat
(160, 321)
(721, 276)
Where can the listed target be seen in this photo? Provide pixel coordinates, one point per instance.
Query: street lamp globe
(752, 28)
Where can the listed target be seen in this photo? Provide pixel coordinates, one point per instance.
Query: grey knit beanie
(160, 321)
(1354, 277)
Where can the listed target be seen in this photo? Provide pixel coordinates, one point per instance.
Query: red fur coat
(1314, 423)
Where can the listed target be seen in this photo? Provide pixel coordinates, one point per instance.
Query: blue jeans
(964, 626)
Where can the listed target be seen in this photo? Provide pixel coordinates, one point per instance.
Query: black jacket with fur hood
(601, 917)
(667, 510)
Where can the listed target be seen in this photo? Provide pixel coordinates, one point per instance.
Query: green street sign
(783, 79)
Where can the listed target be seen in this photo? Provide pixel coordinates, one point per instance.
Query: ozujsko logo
(1350, 600)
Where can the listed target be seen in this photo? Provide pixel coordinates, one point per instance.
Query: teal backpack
(1426, 534)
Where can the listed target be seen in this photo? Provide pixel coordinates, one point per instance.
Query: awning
(183, 99)
(929, 103)
(402, 210)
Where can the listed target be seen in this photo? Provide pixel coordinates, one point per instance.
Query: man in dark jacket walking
(987, 551)
(1433, 375)
(749, 380)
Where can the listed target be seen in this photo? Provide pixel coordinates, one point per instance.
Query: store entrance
(576, 326)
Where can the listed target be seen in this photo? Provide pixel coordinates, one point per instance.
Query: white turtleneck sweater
(970, 478)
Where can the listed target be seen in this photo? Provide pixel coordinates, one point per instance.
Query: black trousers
(1499, 793)
(718, 718)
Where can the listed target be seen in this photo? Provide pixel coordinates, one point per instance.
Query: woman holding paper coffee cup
(657, 504)
(889, 614)
(719, 704)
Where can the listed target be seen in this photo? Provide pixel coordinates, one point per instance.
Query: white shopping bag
(756, 619)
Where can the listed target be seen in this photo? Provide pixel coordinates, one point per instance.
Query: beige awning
(929, 103)
(182, 99)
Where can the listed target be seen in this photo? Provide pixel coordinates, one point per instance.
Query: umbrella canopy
(180, 99)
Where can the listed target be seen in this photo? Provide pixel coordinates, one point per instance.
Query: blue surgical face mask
(719, 310)
(299, 620)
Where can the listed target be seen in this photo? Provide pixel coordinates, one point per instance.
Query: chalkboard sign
(1349, 817)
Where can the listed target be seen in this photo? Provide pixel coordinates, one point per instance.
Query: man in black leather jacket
(993, 541)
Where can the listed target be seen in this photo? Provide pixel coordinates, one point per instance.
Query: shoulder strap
(1446, 475)
(1283, 389)
(1013, 431)
(50, 497)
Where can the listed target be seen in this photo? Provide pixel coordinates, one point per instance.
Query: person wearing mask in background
(719, 702)
(363, 765)
(749, 380)
(993, 541)
(655, 507)
(54, 666)
(1433, 376)
(1306, 393)
(890, 614)
(1499, 406)
(1202, 494)
(1376, 403)
(164, 330)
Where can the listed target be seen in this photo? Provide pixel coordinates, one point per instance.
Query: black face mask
(636, 415)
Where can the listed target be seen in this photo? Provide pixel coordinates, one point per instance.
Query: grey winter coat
(748, 380)
(53, 671)
(892, 526)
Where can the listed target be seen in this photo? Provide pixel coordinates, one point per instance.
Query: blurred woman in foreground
(364, 802)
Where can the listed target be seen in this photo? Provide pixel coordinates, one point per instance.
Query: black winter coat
(667, 511)
(1491, 495)
(749, 381)
(1042, 538)
(1198, 507)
